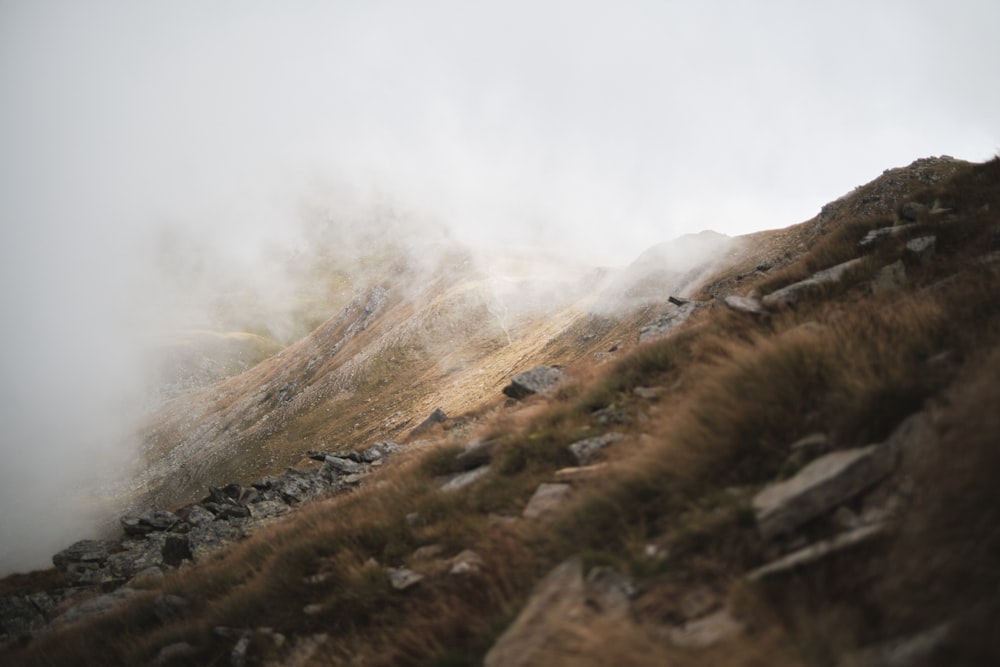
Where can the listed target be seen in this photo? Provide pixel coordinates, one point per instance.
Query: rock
(545, 499)
(707, 631)
(808, 448)
(84, 551)
(819, 487)
(94, 606)
(462, 480)
(147, 577)
(792, 294)
(467, 562)
(677, 301)
(582, 473)
(402, 578)
(913, 211)
(268, 509)
(745, 304)
(19, 617)
(902, 652)
(476, 453)
(334, 465)
(667, 323)
(921, 249)
(913, 439)
(889, 278)
(562, 609)
(436, 417)
(168, 607)
(585, 450)
(149, 522)
(818, 551)
(427, 551)
(199, 515)
(876, 235)
(175, 652)
(539, 380)
(238, 656)
(650, 393)
(207, 539)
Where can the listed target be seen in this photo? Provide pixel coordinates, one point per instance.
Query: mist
(156, 154)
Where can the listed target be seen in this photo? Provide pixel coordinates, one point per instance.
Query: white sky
(595, 129)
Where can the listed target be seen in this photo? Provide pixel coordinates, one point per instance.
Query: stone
(402, 578)
(19, 617)
(539, 380)
(582, 473)
(94, 606)
(546, 498)
(476, 453)
(677, 301)
(889, 278)
(913, 650)
(650, 393)
(168, 607)
(808, 448)
(921, 249)
(427, 551)
(467, 562)
(707, 631)
(147, 577)
(585, 450)
(464, 479)
(792, 294)
(818, 551)
(913, 211)
(561, 610)
(745, 304)
(199, 515)
(913, 439)
(335, 465)
(149, 522)
(84, 551)
(436, 417)
(207, 539)
(175, 652)
(820, 487)
(668, 323)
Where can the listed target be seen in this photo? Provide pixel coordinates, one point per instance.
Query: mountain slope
(722, 527)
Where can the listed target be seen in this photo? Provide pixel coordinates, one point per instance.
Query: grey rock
(436, 417)
(238, 656)
(668, 323)
(174, 652)
(818, 551)
(168, 607)
(94, 606)
(149, 522)
(268, 509)
(808, 448)
(903, 651)
(402, 578)
(539, 380)
(19, 616)
(745, 304)
(84, 551)
(585, 450)
(922, 248)
(913, 211)
(707, 631)
(207, 539)
(199, 515)
(334, 465)
(545, 499)
(913, 439)
(889, 278)
(476, 453)
(467, 562)
(796, 292)
(462, 480)
(820, 487)
(606, 589)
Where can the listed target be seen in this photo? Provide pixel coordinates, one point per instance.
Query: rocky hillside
(787, 458)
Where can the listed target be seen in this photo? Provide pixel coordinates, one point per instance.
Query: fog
(586, 130)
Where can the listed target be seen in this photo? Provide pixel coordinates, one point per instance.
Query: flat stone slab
(820, 487)
(402, 578)
(464, 479)
(745, 304)
(792, 294)
(585, 450)
(818, 551)
(545, 499)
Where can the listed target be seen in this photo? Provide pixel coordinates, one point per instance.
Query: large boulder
(539, 380)
(820, 487)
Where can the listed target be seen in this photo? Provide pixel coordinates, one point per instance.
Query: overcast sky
(592, 128)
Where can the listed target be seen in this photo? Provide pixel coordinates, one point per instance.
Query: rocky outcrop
(585, 450)
(539, 380)
(157, 541)
(668, 323)
(792, 294)
(819, 487)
